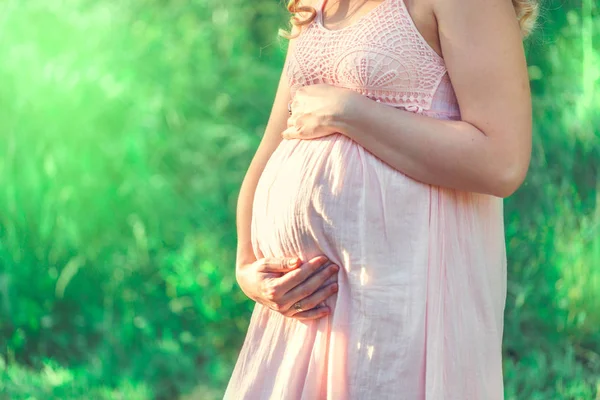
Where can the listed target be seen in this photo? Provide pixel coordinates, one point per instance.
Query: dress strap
(320, 9)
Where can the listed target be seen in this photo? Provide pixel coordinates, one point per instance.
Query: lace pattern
(382, 56)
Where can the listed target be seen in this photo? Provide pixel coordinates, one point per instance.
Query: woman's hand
(317, 110)
(289, 287)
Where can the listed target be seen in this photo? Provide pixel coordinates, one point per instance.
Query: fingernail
(293, 261)
(335, 268)
(335, 287)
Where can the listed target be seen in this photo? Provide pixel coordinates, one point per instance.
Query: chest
(382, 55)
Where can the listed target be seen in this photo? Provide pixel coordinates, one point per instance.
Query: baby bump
(331, 196)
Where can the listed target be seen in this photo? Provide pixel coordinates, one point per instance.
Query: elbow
(509, 180)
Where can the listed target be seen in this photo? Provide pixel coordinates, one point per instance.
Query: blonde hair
(526, 10)
(527, 13)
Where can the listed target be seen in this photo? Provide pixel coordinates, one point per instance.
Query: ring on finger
(298, 307)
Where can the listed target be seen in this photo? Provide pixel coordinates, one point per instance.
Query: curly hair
(527, 13)
(526, 10)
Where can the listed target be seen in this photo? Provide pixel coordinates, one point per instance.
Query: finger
(275, 292)
(315, 313)
(291, 121)
(292, 279)
(291, 133)
(283, 264)
(309, 286)
(316, 298)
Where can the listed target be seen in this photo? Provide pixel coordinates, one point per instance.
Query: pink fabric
(419, 312)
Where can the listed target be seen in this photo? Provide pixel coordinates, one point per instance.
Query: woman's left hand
(318, 110)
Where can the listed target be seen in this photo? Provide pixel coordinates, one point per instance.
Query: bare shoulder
(477, 16)
(484, 55)
(471, 27)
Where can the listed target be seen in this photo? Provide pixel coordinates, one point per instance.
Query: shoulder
(479, 34)
(474, 14)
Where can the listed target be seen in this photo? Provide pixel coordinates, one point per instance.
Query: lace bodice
(382, 55)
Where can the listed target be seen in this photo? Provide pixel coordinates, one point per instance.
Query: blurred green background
(125, 130)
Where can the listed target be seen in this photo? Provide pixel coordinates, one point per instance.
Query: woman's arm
(488, 151)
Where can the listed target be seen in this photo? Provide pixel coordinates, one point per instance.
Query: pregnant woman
(370, 220)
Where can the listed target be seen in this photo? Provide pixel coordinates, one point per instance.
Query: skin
(488, 151)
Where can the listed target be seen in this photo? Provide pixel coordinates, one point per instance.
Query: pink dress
(422, 285)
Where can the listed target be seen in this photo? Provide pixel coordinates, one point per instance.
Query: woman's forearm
(446, 153)
(245, 254)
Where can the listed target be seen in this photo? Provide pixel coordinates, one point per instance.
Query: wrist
(351, 110)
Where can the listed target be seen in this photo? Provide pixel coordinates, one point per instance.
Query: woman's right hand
(286, 285)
